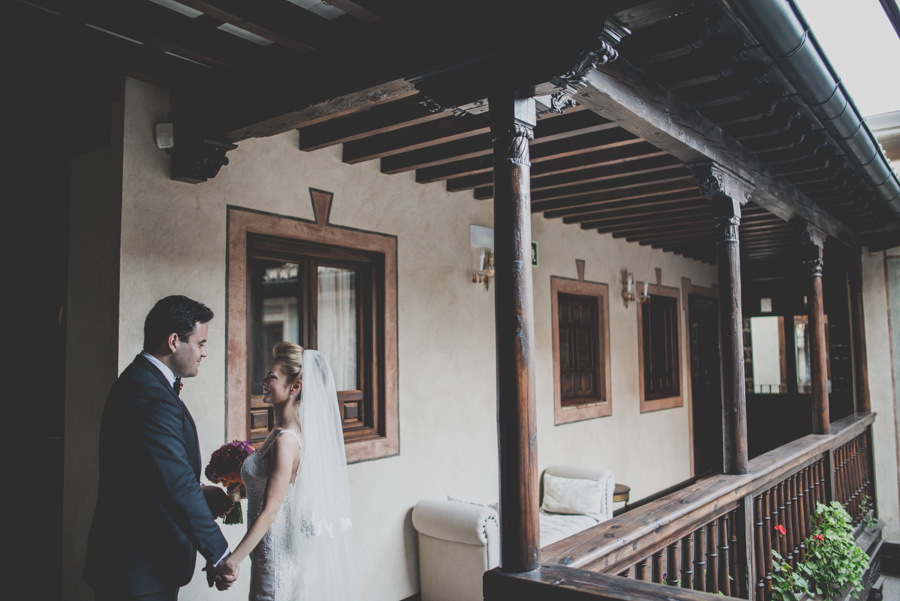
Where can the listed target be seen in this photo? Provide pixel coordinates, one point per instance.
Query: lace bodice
(276, 572)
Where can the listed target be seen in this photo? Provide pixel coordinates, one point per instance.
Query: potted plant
(833, 565)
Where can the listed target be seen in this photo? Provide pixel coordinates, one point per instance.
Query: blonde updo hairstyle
(290, 355)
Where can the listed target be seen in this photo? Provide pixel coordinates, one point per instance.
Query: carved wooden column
(512, 122)
(858, 323)
(813, 244)
(726, 194)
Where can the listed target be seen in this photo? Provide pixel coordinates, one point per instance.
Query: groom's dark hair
(176, 313)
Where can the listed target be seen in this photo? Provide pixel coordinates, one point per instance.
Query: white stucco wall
(877, 304)
(174, 241)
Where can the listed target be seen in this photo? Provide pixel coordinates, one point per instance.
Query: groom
(152, 514)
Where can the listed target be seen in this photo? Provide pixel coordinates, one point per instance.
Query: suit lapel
(145, 364)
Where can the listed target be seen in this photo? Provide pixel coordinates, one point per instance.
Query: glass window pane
(275, 314)
(337, 324)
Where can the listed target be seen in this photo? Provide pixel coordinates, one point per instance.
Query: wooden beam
(622, 93)
(575, 162)
(316, 112)
(582, 203)
(603, 184)
(385, 117)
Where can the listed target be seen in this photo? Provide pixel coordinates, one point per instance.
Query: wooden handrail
(567, 584)
(615, 544)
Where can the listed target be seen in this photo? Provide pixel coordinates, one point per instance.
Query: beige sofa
(459, 541)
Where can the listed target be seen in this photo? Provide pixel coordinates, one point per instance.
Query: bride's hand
(224, 574)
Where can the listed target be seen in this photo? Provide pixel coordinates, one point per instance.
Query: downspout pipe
(786, 36)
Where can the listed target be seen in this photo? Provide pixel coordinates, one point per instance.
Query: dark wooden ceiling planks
(374, 76)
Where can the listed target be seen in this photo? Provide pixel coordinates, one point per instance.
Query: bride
(298, 531)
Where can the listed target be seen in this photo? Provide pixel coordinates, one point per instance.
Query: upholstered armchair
(460, 541)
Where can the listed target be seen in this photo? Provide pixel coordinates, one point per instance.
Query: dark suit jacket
(151, 516)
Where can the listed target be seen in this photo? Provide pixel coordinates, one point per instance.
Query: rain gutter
(787, 38)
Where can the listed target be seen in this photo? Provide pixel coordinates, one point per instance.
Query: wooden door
(706, 391)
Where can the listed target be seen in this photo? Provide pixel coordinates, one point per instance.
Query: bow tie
(177, 385)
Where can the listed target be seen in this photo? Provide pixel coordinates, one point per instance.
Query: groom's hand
(218, 500)
(222, 576)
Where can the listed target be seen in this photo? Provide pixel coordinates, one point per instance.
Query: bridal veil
(324, 530)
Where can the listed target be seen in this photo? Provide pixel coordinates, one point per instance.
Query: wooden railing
(717, 535)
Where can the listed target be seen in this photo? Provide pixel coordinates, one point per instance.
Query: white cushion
(557, 526)
(573, 496)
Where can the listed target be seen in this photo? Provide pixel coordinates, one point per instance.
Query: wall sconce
(628, 289)
(481, 241)
(644, 297)
(627, 286)
(484, 268)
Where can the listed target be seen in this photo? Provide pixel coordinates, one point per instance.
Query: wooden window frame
(601, 405)
(381, 441)
(677, 399)
(369, 314)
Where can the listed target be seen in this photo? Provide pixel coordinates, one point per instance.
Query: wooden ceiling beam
(416, 137)
(575, 214)
(620, 92)
(554, 144)
(549, 191)
(470, 178)
(586, 201)
(639, 227)
(628, 216)
(382, 118)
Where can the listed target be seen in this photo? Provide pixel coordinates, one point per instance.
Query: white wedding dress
(307, 553)
(276, 572)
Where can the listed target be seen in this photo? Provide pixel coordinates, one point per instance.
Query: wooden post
(814, 241)
(512, 122)
(726, 193)
(858, 323)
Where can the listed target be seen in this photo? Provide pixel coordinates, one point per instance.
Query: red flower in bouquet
(225, 468)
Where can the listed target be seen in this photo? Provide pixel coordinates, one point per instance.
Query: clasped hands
(223, 575)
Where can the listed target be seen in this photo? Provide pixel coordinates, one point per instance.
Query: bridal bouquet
(225, 468)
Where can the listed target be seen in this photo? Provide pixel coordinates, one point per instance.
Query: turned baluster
(786, 519)
(672, 564)
(626, 573)
(803, 507)
(687, 555)
(795, 517)
(656, 567)
(821, 495)
(759, 547)
(700, 559)
(724, 572)
(733, 563)
(840, 492)
(640, 571)
(767, 542)
(712, 558)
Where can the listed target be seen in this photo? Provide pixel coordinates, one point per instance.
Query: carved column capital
(812, 244)
(512, 130)
(720, 185)
(814, 266)
(604, 52)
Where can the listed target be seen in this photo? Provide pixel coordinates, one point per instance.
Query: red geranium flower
(780, 529)
(819, 538)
